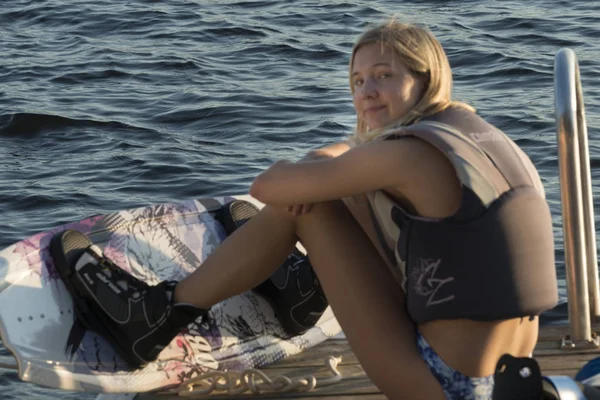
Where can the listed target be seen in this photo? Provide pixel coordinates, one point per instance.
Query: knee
(329, 218)
(326, 208)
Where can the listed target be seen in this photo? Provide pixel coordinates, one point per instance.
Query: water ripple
(112, 105)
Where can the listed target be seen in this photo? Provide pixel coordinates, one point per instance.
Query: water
(110, 105)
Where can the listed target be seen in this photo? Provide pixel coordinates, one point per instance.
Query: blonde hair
(424, 56)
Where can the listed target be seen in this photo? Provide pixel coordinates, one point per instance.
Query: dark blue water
(108, 105)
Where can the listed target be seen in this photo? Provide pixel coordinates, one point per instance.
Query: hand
(299, 209)
(314, 155)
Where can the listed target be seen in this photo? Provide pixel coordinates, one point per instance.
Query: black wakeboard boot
(139, 320)
(293, 290)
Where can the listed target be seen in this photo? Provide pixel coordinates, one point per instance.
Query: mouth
(373, 110)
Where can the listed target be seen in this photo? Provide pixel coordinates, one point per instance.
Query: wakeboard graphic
(154, 243)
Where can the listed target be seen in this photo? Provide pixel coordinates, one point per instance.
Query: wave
(28, 125)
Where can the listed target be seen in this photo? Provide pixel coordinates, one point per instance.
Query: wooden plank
(357, 386)
(354, 385)
(554, 350)
(557, 332)
(349, 388)
(574, 362)
(547, 345)
(563, 372)
(335, 396)
(320, 372)
(316, 356)
(548, 354)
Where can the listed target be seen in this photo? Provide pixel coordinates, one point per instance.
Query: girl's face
(384, 89)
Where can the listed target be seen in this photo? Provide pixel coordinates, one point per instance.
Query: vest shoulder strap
(487, 163)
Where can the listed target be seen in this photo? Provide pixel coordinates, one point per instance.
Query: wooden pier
(356, 386)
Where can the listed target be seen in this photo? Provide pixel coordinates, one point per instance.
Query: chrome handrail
(581, 262)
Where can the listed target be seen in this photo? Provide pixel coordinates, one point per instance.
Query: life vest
(494, 258)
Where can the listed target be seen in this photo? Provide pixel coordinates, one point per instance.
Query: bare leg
(247, 258)
(365, 298)
(367, 302)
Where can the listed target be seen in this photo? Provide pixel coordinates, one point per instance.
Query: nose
(369, 89)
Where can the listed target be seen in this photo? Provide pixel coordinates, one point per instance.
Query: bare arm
(372, 166)
(330, 151)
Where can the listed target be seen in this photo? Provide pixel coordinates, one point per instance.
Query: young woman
(428, 231)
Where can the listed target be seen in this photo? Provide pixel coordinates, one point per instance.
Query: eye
(358, 82)
(384, 75)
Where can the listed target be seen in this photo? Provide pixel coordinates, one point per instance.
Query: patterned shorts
(455, 384)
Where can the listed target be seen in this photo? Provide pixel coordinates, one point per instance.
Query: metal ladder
(581, 263)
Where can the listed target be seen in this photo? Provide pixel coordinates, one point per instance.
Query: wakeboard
(163, 241)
